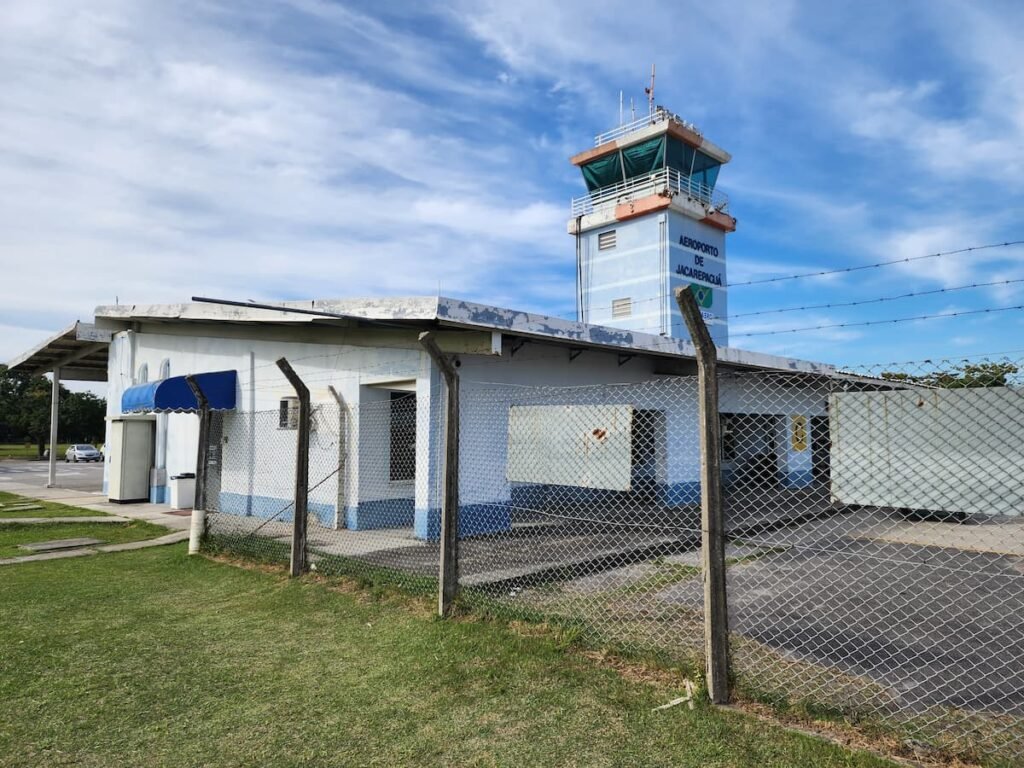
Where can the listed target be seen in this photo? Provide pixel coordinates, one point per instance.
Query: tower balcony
(667, 182)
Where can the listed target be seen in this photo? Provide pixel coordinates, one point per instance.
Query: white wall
(956, 450)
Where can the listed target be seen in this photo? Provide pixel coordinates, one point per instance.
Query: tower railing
(659, 115)
(667, 181)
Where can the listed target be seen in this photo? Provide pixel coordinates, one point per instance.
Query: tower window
(606, 240)
(622, 307)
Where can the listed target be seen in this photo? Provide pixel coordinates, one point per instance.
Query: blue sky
(150, 151)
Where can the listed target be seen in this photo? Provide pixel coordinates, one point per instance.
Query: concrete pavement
(81, 485)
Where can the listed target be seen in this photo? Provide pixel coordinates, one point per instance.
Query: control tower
(651, 220)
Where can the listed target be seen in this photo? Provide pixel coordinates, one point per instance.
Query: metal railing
(659, 115)
(665, 181)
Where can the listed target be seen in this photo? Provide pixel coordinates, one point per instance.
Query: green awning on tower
(642, 159)
(603, 172)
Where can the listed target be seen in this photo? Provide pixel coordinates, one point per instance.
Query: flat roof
(444, 312)
(80, 351)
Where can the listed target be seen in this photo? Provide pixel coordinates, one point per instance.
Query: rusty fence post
(716, 615)
(298, 556)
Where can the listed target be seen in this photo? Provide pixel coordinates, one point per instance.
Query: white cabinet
(130, 451)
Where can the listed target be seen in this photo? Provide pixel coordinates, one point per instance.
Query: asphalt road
(77, 477)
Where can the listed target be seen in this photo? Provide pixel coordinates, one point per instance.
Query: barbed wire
(877, 264)
(986, 310)
(878, 300)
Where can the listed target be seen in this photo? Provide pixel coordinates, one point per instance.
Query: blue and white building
(652, 219)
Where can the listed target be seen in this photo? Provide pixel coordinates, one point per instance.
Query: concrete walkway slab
(170, 538)
(158, 514)
(47, 556)
(55, 544)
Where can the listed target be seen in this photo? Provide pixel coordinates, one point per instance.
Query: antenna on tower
(620, 107)
(650, 94)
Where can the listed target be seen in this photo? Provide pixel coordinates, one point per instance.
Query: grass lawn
(49, 508)
(11, 536)
(153, 658)
(23, 451)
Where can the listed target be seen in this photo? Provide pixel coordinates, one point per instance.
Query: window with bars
(403, 436)
(288, 413)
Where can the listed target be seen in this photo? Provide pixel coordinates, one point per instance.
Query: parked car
(82, 452)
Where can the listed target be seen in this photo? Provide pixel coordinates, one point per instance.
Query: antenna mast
(620, 108)
(650, 94)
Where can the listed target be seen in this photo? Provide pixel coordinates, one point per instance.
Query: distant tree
(970, 376)
(82, 417)
(25, 406)
(25, 410)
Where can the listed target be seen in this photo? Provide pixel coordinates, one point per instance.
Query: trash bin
(183, 490)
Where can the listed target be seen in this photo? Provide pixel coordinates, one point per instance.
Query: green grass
(48, 508)
(28, 451)
(11, 536)
(153, 658)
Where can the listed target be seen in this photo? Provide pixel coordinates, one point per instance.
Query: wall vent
(606, 240)
(622, 307)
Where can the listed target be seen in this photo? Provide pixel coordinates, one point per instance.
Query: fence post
(716, 616)
(298, 559)
(339, 508)
(198, 527)
(449, 567)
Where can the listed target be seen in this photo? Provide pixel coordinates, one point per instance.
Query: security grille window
(289, 413)
(403, 436)
(622, 307)
(606, 240)
(728, 423)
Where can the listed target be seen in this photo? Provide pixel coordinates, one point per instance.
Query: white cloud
(150, 152)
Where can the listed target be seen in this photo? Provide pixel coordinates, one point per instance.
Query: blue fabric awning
(173, 395)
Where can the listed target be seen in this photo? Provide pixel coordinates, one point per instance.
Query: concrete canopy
(80, 351)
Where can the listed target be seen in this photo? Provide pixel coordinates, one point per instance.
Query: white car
(82, 452)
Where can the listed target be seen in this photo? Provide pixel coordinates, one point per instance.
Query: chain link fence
(874, 527)
(364, 479)
(590, 510)
(876, 547)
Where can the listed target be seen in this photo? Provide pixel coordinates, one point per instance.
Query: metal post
(204, 439)
(198, 527)
(449, 566)
(298, 561)
(342, 503)
(51, 480)
(716, 616)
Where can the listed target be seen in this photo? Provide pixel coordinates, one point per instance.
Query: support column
(54, 411)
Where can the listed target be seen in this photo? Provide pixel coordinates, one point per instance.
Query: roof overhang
(80, 351)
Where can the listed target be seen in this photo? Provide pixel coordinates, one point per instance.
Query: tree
(25, 406)
(82, 417)
(969, 376)
(25, 410)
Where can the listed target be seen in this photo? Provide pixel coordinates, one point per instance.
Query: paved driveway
(934, 625)
(16, 475)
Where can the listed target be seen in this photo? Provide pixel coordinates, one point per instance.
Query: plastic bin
(182, 490)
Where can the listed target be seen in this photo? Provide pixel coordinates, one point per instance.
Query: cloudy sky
(151, 151)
